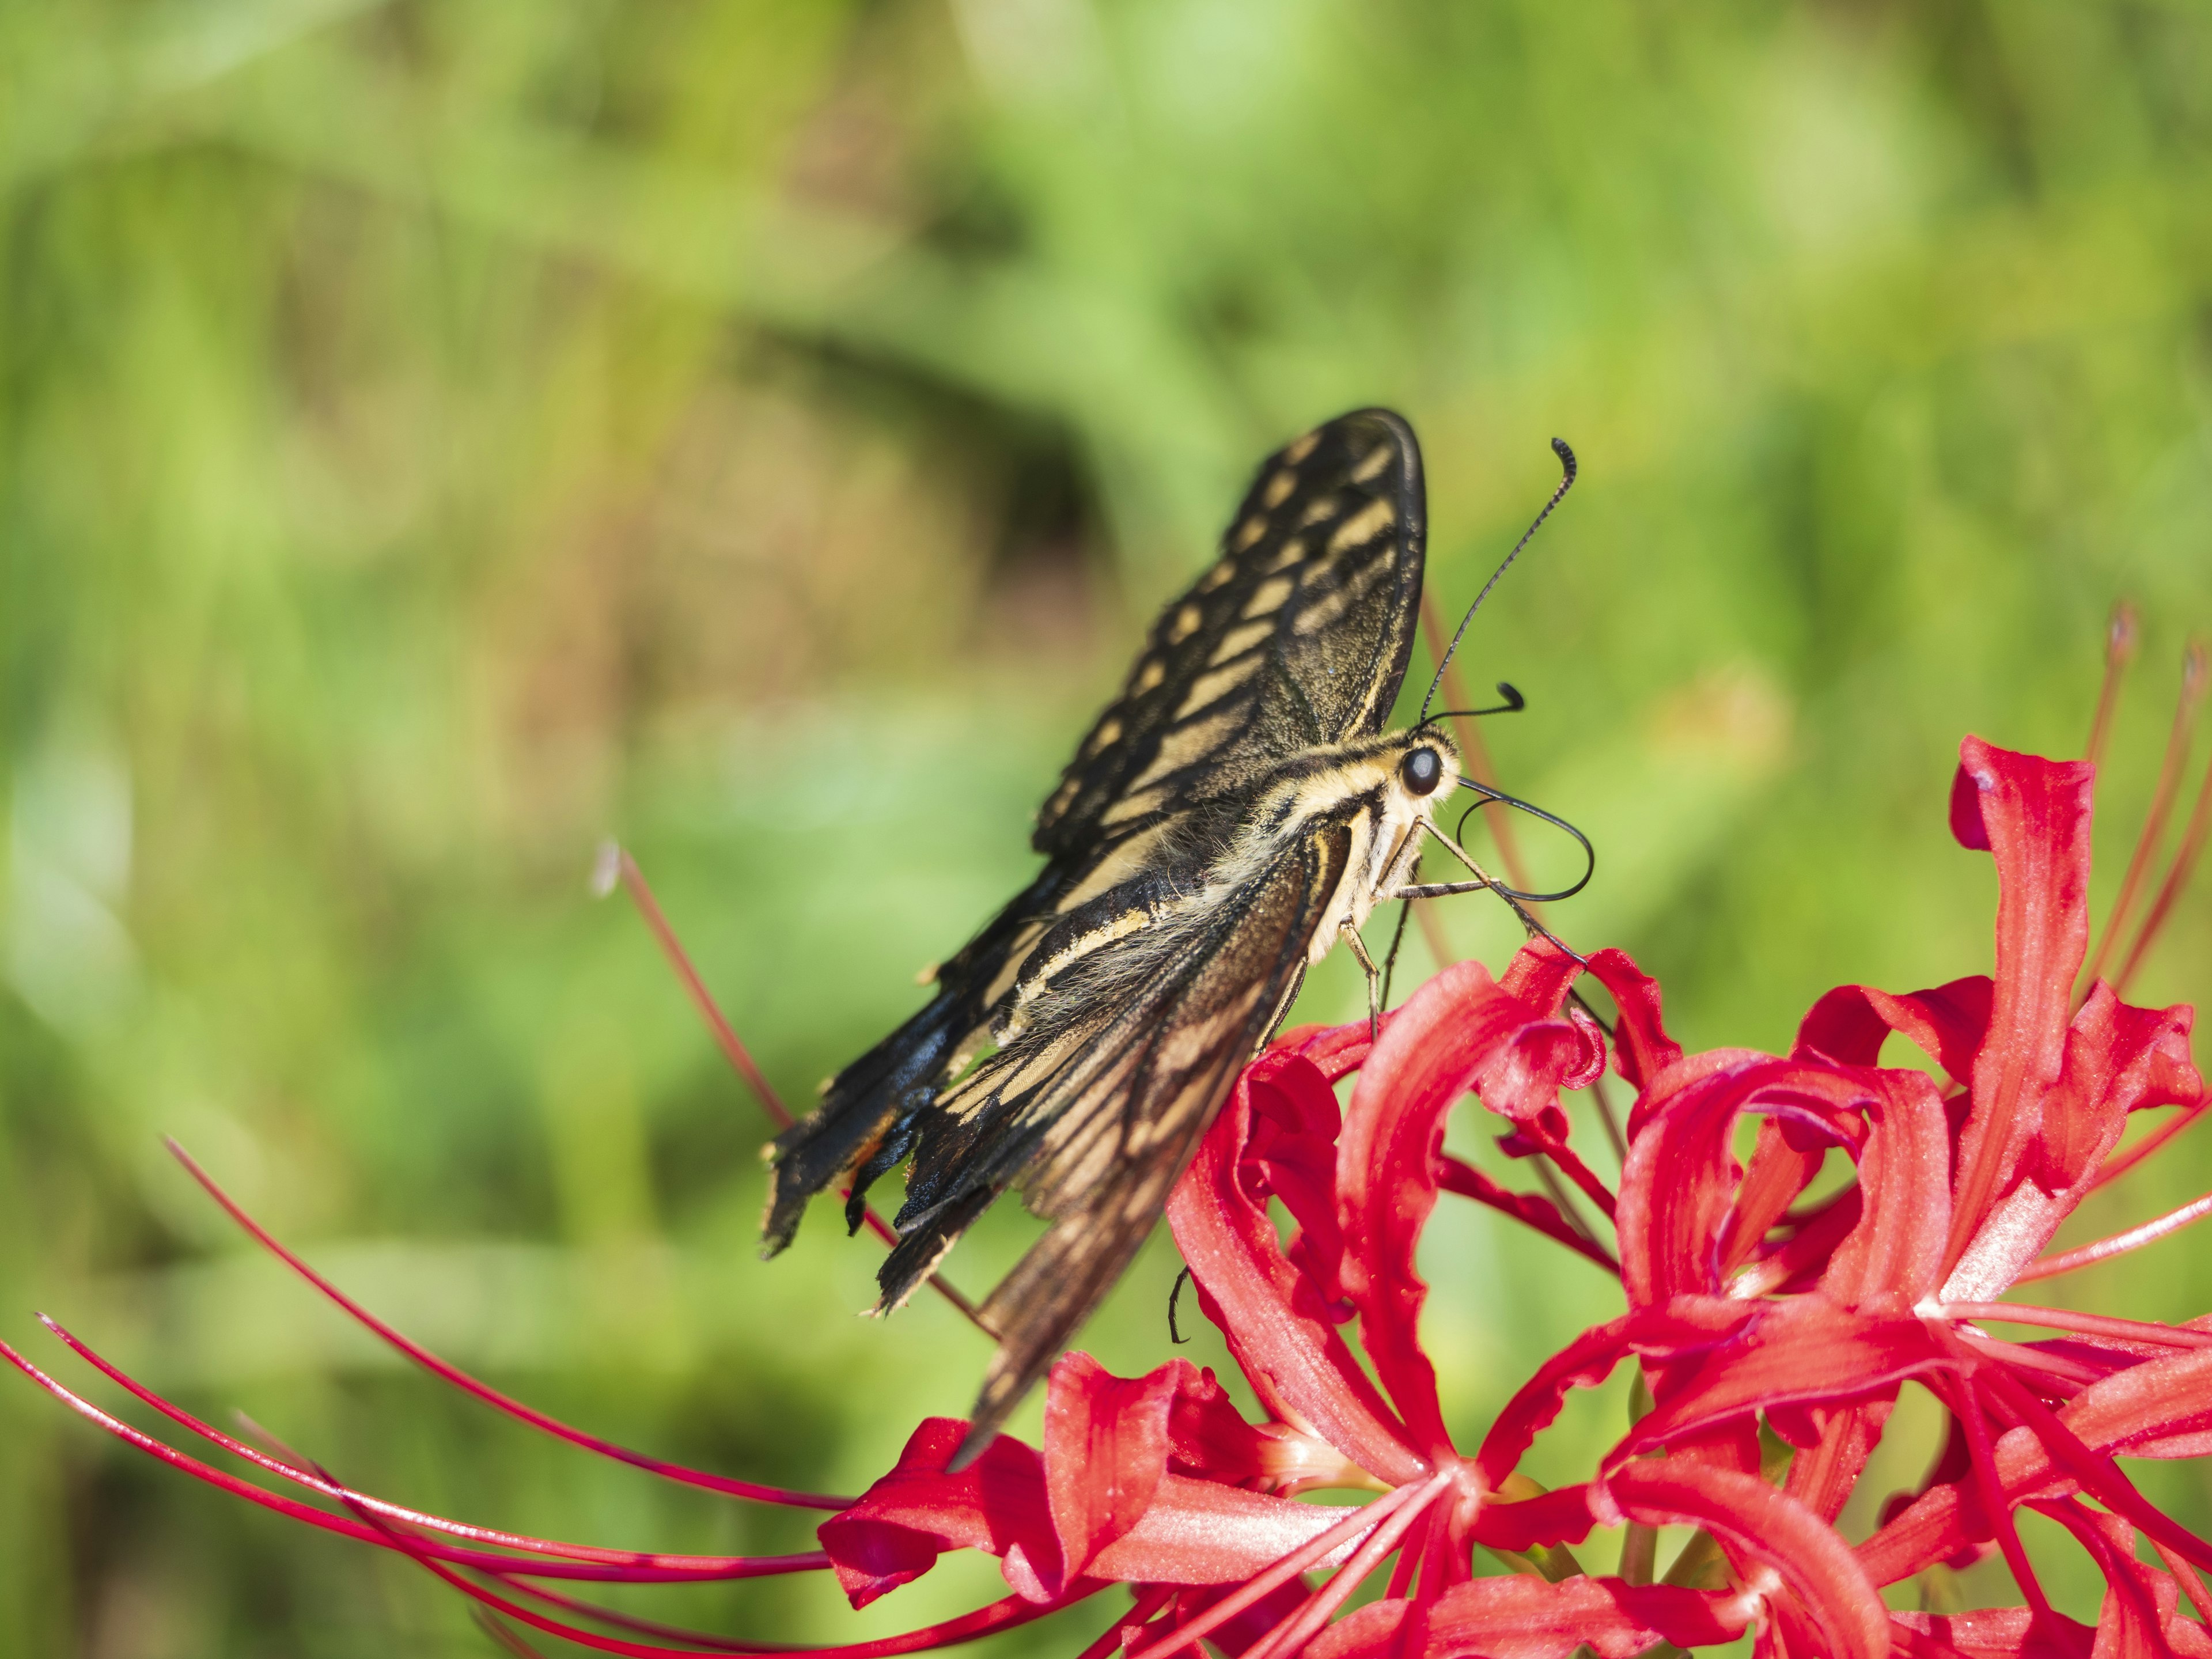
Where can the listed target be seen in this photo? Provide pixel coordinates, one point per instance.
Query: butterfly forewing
(1298, 635)
(1165, 936)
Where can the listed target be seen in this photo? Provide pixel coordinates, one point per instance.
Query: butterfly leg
(1374, 982)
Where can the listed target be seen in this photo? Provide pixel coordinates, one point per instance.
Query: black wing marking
(1096, 1107)
(1298, 635)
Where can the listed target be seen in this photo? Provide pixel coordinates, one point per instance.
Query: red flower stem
(2083, 1256)
(2177, 877)
(2128, 1157)
(1289, 1567)
(740, 1058)
(1497, 814)
(1989, 1485)
(2121, 638)
(1301, 1626)
(2161, 805)
(679, 1568)
(1562, 1201)
(483, 1391)
(2064, 1319)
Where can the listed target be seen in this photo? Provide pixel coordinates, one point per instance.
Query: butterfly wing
(1124, 1006)
(1297, 635)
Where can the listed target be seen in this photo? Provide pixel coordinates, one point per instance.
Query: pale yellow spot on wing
(1212, 579)
(1151, 674)
(1371, 463)
(1268, 596)
(1250, 532)
(1300, 449)
(1212, 688)
(1316, 511)
(1134, 804)
(1291, 552)
(1186, 623)
(1184, 747)
(1318, 613)
(1238, 641)
(1108, 733)
(1280, 487)
(1361, 525)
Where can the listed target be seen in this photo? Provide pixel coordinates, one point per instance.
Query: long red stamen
(2065, 1319)
(2100, 1477)
(1289, 1567)
(616, 864)
(2103, 1249)
(2161, 805)
(2122, 636)
(1989, 1485)
(483, 1391)
(636, 1566)
(2186, 1576)
(1301, 1626)
(1456, 1175)
(2177, 877)
(1150, 1599)
(484, 1561)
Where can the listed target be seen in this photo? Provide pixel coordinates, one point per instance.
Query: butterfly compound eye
(1422, 771)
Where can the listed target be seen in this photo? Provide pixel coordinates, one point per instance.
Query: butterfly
(1236, 811)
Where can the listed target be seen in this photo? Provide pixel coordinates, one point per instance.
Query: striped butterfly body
(1234, 812)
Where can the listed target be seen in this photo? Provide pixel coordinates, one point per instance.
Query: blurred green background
(434, 436)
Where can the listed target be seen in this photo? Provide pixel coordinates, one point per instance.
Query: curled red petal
(2033, 815)
(1946, 1022)
(1458, 1024)
(1759, 1527)
(1105, 1450)
(1678, 1185)
(1687, 1325)
(1521, 1617)
(1276, 1320)
(1641, 1048)
(898, 1527)
(1802, 1352)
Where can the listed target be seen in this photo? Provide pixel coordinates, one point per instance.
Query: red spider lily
(1747, 1307)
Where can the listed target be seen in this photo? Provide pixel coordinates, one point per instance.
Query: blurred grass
(433, 436)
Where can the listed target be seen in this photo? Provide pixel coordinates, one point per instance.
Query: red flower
(1745, 1304)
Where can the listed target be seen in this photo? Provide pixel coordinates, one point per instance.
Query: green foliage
(435, 436)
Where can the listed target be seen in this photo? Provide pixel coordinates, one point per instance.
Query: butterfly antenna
(1566, 483)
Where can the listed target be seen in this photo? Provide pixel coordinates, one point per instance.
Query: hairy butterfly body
(1234, 812)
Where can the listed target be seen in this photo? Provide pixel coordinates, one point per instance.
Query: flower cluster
(1772, 1328)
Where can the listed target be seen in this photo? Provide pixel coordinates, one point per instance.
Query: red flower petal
(1526, 1618)
(1201, 1532)
(1458, 1024)
(2033, 815)
(1642, 1049)
(1278, 1324)
(899, 1526)
(1105, 1450)
(1948, 1024)
(1989, 1633)
(1759, 1527)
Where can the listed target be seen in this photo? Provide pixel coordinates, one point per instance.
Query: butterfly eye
(1422, 771)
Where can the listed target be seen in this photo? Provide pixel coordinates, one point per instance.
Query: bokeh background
(434, 436)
